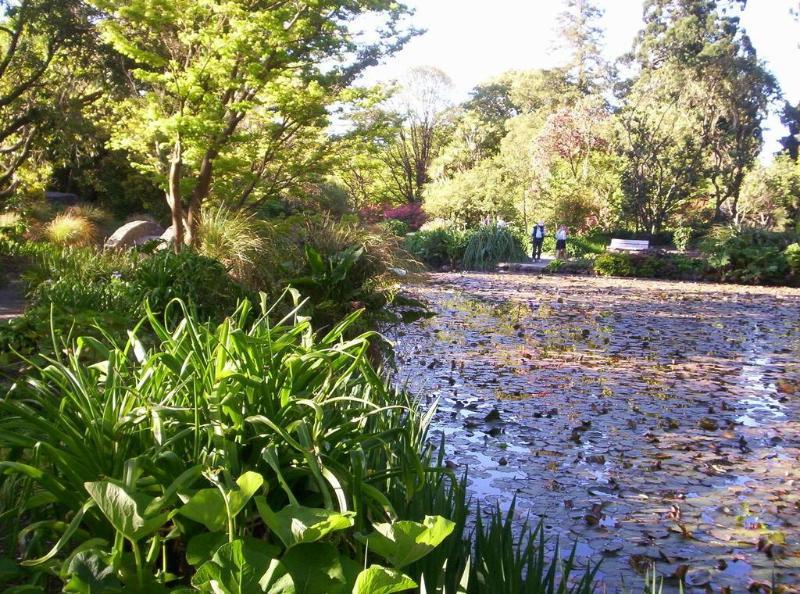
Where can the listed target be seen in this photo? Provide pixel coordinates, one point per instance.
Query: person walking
(561, 243)
(537, 235)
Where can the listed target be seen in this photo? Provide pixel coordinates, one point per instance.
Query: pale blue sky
(473, 40)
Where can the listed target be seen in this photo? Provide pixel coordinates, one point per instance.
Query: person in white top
(561, 243)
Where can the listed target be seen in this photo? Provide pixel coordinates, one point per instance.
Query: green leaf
(315, 261)
(89, 574)
(296, 524)
(125, 510)
(207, 506)
(402, 543)
(316, 569)
(243, 567)
(201, 548)
(380, 580)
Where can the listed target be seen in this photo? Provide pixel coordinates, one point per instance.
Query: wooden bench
(628, 245)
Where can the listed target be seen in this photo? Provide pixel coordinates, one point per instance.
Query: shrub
(411, 214)
(371, 213)
(578, 246)
(610, 264)
(574, 266)
(198, 280)
(395, 227)
(490, 245)
(234, 239)
(80, 287)
(97, 215)
(749, 256)
(792, 255)
(300, 247)
(12, 226)
(651, 265)
(72, 230)
(441, 246)
(682, 237)
(70, 295)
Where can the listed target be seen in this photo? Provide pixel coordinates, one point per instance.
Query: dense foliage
(247, 456)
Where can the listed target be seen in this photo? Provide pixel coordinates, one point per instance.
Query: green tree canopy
(219, 85)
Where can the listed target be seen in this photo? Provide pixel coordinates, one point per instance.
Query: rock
(62, 198)
(133, 233)
(168, 237)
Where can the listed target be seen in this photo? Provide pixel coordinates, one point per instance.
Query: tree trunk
(201, 192)
(174, 195)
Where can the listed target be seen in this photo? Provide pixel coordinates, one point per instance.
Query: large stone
(168, 237)
(62, 199)
(133, 233)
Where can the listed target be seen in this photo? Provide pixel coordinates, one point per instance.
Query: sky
(474, 40)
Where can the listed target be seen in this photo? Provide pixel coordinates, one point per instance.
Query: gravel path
(12, 300)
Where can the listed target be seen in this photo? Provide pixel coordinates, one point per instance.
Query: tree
(738, 91)
(359, 159)
(576, 165)
(662, 146)
(771, 196)
(421, 109)
(699, 80)
(790, 117)
(580, 33)
(470, 196)
(47, 51)
(213, 80)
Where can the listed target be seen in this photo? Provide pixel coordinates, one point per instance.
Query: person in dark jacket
(537, 235)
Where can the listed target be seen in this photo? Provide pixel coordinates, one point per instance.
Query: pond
(649, 422)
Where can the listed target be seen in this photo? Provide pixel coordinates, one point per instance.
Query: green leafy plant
(792, 255)
(219, 446)
(507, 564)
(395, 227)
(610, 264)
(749, 256)
(443, 246)
(682, 237)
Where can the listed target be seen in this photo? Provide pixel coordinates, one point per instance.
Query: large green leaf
(402, 543)
(296, 524)
(201, 548)
(207, 506)
(316, 569)
(125, 510)
(89, 574)
(380, 580)
(243, 567)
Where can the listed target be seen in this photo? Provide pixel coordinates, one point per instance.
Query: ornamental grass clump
(235, 240)
(490, 245)
(71, 230)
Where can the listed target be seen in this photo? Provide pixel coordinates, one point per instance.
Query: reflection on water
(668, 405)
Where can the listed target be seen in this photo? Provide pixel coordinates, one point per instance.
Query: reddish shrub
(411, 214)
